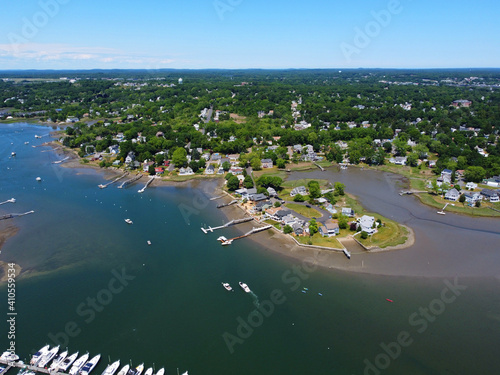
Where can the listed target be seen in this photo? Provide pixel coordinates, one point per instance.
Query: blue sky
(196, 34)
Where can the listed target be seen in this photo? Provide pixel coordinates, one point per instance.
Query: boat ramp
(103, 186)
(232, 222)
(226, 241)
(128, 182)
(146, 186)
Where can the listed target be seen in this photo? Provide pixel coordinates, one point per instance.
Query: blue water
(172, 311)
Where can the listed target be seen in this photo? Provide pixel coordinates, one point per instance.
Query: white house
(452, 195)
(470, 186)
(366, 224)
(298, 190)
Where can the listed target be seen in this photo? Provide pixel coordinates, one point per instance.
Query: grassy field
(439, 202)
(303, 210)
(319, 240)
(273, 223)
(271, 172)
(391, 234)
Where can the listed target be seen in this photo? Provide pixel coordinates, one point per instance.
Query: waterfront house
(398, 160)
(367, 224)
(266, 163)
(272, 192)
(210, 169)
(297, 229)
(271, 213)
(289, 220)
(159, 171)
(186, 171)
(347, 211)
(472, 197)
(145, 166)
(298, 190)
(329, 229)
(262, 205)
(130, 157)
(490, 195)
(257, 197)
(470, 185)
(452, 195)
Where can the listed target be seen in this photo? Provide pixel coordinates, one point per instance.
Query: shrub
(364, 235)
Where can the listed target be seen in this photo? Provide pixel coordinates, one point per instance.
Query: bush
(277, 204)
(353, 227)
(287, 229)
(364, 235)
(478, 204)
(299, 198)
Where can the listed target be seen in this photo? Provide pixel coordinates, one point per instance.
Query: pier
(347, 253)
(146, 186)
(215, 198)
(11, 200)
(226, 241)
(232, 222)
(128, 182)
(11, 216)
(227, 204)
(320, 167)
(103, 186)
(23, 365)
(60, 161)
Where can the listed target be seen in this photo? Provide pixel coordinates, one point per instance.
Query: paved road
(325, 214)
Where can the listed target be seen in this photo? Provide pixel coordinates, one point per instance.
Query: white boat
(149, 242)
(89, 366)
(111, 369)
(9, 357)
(13, 153)
(38, 355)
(48, 357)
(68, 361)
(39, 179)
(161, 371)
(124, 370)
(128, 221)
(78, 364)
(227, 286)
(137, 371)
(56, 362)
(38, 136)
(149, 371)
(245, 287)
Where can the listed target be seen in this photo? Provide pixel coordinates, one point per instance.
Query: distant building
(461, 103)
(267, 163)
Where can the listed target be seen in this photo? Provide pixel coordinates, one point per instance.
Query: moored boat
(68, 361)
(245, 287)
(78, 364)
(46, 358)
(161, 371)
(128, 221)
(124, 370)
(38, 355)
(149, 371)
(56, 362)
(137, 371)
(227, 286)
(111, 369)
(89, 366)
(9, 357)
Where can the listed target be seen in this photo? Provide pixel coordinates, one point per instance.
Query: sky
(238, 34)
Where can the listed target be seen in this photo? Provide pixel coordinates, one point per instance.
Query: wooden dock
(11, 216)
(232, 222)
(103, 186)
(225, 241)
(146, 186)
(128, 182)
(25, 366)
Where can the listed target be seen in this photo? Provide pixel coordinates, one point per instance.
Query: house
(233, 159)
(470, 186)
(271, 213)
(367, 224)
(145, 166)
(159, 170)
(186, 171)
(432, 163)
(446, 172)
(236, 170)
(452, 195)
(116, 163)
(257, 197)
(298, 190)
(398, 160)
(297, 149)
(331, 209)
(220, 170)
(272, 192)
(262, 206)
(472, 197)
(347, 211)
(114, 149)
(281, 214)
(491, 195)
(289, 220)
(266, 163)
(297, 229)
(329, 229)
(210, 169)
(461, 103)
(494, 181)
(130, 157)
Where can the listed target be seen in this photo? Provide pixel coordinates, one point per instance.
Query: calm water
(172, 310)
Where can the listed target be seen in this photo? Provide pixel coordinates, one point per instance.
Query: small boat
(124, 370)
(39, 354)
(303, 291)
(227, 287)
(138, 370)
(161, 371)
(38, 136)
(9, 357)
(149, 371)
(78, 364)
(39, 179)
(222, 239)
(128, 221)
(68, 361)
(319, 294)
(111, 369)
(13, 153)
(149, 242)
(244, 287)
(56, 362)
(389, 300)
(48, 357)
(89, 366)
(26, 143)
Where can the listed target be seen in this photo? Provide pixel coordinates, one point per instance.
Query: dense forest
(376, 113)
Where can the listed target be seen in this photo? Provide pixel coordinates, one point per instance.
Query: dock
(103, 186)
(11, 200)
(215, 198)
(226, 241)
(128, 182)
(23, 365)
(11, 216)
(146, 186)
(227, 204)
(320, 167)
(232, 222)
(347, 253)
(60, 161)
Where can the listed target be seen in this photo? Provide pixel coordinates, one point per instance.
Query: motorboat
(227, 286)
(68, 361)
(89, 366)
(161, 371)
(39, 179)
(55, 364)
(78, 364)
(9, 357)
(149, 371)
(13, 153)
(39, 354)
(128, 221)
(137, 371)
(111, 369)
(46, 358)
(244, 287)
(124, 370)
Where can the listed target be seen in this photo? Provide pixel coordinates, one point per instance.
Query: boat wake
(255, 299)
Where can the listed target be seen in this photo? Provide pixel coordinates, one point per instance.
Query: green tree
(462, 198)
(314, 189)
(256, 164)
(412, 159)
(233, 183)
(287, 229)
(343, 222)
(248, 182)
(277, 204)
(339, 188)
(151, 170)
(364, 235)
(313, 227)
(475, 174)
(330, 197)
(280, 163)
(179, 157)
(299, 198)
(226, 166)
(159, 158)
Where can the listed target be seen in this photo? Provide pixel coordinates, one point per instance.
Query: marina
(232, 222)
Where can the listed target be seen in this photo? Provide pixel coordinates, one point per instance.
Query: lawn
(439, 202)
(273, 223)
(391, 234)
(303, 210)
(319, 240)
(271, 172)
